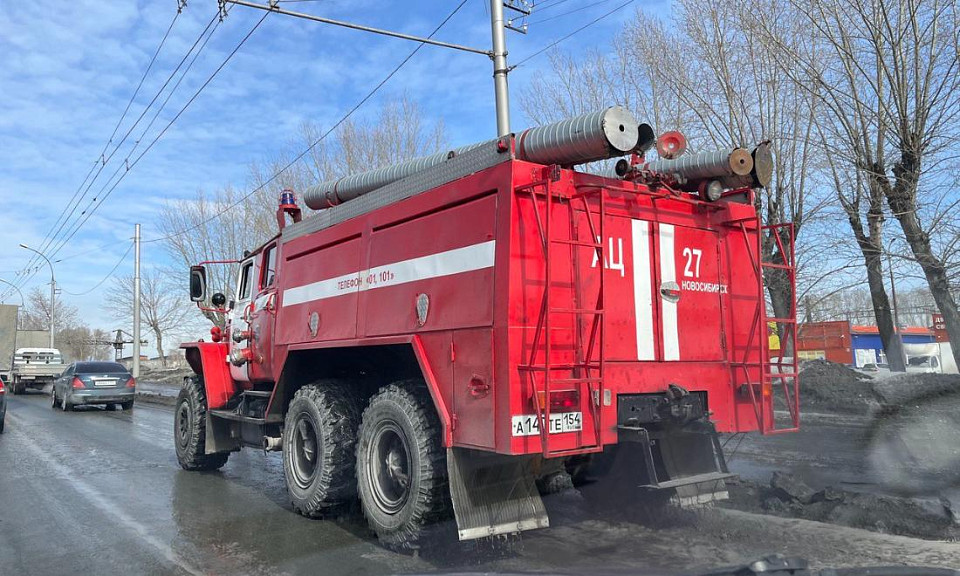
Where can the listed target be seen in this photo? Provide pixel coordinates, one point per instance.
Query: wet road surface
(96, 492)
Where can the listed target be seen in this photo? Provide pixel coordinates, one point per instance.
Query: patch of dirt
(788, 496)
(835, 387)
(172, 377)
(904, 388)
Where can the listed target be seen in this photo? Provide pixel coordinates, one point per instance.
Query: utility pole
(500, 70)
(498, 53)
(136, 302)
(53, 292)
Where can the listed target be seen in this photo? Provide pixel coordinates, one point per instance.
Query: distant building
(855, 344)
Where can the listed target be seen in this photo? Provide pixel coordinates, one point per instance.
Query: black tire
(53, 398)
(18, 387)
(319, 438)
(401, 466)
(126, 405)
(2, 418)
(65, 406)
(189, 429)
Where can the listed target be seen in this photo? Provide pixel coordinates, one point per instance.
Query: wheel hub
(305, 456)
(183, 424)
(389, 468)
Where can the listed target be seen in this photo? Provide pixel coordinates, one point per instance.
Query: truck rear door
(689, 293)
(662, 292)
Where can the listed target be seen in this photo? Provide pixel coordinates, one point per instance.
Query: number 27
(692, 270)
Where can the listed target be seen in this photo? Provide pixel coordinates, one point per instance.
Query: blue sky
(69, 69)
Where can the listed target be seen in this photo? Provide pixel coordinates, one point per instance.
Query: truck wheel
(190, 432)
(17, 387)
(401, 466)
(319, 436)
(53, 398)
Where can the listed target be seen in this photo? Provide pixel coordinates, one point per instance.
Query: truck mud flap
(494, 494)
(687, 460)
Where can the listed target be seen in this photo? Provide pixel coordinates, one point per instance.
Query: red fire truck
(445, 331)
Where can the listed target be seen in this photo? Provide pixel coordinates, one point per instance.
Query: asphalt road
(96, 492)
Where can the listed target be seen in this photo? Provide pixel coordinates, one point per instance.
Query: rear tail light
(131, 383)
(561, 400)
(2, 389)
(78, 383)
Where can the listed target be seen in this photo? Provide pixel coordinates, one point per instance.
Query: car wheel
(126, 405)
(319, 436)
(190, 430)
(2, 418)
(401, 466)
(53, 398)
(65, 406)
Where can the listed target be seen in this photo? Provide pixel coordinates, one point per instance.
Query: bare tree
(725, 90)
(887, 78)
(82, 343)
(36, 314)
(162, 308)
(223, 224)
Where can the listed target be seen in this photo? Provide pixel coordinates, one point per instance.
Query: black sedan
(82, 383)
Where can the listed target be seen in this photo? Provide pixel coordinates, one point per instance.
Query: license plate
(105, 382)
(28, 377)
(529, 424)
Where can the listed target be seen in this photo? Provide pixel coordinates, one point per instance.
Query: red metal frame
(785, 373)
(583, 364)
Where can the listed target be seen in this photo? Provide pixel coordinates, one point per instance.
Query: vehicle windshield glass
(270, 265)
(99, 367)
(243, 289)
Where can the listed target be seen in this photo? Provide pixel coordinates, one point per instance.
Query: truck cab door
(240, 317)
(263, 314)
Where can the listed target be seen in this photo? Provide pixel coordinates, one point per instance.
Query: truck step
(231, 415)
(689, 480)
(258, 393)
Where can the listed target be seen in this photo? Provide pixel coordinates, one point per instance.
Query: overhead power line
(214, 22)
(96, 162)
(569, 12)
(131, 165)
(109, 274)
(91, 209)
(316, 142)
(567, 36)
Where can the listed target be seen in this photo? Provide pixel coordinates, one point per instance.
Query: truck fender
(209, 359)
(443, 411)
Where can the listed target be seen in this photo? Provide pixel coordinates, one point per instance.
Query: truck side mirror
(198, 284)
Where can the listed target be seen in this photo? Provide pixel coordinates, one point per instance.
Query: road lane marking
(105, 506)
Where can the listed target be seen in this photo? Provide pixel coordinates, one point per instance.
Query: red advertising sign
(939, 328)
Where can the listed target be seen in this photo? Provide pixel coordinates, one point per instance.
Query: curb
(155, 398)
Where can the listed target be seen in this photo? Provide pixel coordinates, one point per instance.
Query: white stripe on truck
(642, 290)
(668, 273)
(456, 261)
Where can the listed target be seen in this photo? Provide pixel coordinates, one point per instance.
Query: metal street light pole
(53, 291)
(136, 304)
